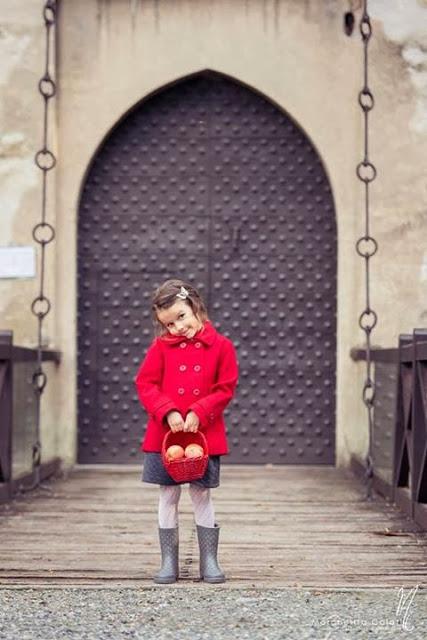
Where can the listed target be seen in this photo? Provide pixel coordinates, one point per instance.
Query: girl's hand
(175, 421)
(191, 422)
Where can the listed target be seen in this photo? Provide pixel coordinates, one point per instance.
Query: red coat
(198, 374)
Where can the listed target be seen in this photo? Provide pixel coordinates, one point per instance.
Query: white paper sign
(17, 262)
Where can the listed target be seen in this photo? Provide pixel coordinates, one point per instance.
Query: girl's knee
(170, 493)
(199, 493)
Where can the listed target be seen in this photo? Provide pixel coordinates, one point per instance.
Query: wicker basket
(185, 469)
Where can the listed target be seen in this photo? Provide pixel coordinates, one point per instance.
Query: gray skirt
(155, 473)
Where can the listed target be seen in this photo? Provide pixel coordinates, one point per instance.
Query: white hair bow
(183, 293)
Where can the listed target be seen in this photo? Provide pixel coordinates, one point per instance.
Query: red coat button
(182, 367)
(197, 367)
(181, 391)
(183, 345)
(196, 392)
(198, 345)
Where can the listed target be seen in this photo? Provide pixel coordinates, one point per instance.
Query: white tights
(204, 513)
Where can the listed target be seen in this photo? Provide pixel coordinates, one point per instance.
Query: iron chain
(43, 233)
(367, 246)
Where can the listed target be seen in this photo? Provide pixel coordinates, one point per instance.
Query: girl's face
(179, 319)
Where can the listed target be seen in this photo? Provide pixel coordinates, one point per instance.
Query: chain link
(43, 234)
(367, 246)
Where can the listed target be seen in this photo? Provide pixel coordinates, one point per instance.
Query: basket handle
(205, 442)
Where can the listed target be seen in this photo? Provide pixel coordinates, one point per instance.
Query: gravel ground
(208, 612)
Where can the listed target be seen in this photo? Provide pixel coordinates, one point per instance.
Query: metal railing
(400, 423)
(18, 414)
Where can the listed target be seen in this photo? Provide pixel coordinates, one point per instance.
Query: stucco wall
(114, 53)
(22, 53)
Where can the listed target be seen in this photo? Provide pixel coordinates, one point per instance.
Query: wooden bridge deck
(281, 526)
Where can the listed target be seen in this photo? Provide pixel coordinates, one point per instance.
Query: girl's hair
(166, 295)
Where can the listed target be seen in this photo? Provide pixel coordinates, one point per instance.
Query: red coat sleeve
(148, 383)
(212, 405)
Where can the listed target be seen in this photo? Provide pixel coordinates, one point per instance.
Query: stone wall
(22, 55)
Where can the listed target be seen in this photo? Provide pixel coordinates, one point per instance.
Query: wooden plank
(280, 526)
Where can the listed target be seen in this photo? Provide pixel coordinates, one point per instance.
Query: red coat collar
(206, 335)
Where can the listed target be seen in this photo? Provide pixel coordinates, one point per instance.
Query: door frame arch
(218, 75)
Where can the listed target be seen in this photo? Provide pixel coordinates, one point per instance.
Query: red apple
(174, 452)
(193, 450)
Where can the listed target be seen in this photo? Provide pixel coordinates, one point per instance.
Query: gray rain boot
(208, 546)
(169, 544)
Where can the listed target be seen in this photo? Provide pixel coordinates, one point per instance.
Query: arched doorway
(211, 182)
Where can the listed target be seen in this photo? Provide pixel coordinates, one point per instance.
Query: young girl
(186, 380)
